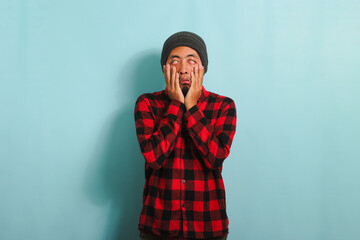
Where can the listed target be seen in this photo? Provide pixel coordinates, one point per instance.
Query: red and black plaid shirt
(184, 193)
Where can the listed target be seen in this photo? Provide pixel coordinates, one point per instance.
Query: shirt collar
(204, 94)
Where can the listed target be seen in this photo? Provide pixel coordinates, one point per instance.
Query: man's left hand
(195, 89)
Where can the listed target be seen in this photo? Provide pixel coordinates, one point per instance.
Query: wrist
(189, 105)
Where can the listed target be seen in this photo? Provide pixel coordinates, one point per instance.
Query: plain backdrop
(70, 72)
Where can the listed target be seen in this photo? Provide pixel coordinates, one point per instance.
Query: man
(185, 133)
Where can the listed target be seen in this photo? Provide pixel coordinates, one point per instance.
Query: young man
(185, 133)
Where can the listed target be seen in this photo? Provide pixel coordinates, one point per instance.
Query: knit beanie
(187, 39)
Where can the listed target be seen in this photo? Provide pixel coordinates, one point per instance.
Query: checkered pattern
(184, 151)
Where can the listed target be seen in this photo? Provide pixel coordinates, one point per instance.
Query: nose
(184, 68)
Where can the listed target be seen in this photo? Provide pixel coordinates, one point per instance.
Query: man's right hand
(172, 83)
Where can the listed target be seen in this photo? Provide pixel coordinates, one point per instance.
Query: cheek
(193, 66)
(176, 66)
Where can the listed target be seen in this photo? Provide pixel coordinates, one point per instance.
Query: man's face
(184, 59)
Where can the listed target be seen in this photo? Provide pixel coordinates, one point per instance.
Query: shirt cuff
(194, 116)
(176, 110)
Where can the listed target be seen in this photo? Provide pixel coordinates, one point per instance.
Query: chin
(185, 90)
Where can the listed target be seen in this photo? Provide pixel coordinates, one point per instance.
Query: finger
(193, 79)
(177, 84)
(201, 74)
(167, 75)
(173, 76)
(164, 69)
(197, 76)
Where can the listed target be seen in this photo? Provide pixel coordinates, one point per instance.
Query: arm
(212, 141)
(157, 140)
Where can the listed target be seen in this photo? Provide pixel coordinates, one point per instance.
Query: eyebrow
(176, 56)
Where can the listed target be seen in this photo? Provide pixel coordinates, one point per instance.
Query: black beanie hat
(187, 39)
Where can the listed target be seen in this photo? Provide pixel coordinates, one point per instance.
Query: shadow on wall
(116, 176)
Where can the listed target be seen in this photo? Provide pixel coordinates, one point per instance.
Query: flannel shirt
(184, 193)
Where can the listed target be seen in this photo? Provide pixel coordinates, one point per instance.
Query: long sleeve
(157, 136)
(184, 152)
(213, 141)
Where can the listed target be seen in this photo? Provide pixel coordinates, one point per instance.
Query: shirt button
(183, 180)
(183, 205)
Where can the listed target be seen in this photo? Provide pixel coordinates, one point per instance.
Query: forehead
(183, 52)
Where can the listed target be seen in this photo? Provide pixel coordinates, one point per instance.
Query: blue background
(70, 71)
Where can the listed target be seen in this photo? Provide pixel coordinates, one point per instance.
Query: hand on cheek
(172, 83)
(195, 90)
